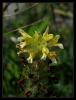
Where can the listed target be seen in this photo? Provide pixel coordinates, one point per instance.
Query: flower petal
(46, 31)
(43, 57)
(60, 45)
(22, 44)
(30, 58)
(54, 61)
(45, 52)
(53, 41)
(21, 51)
(56, 38)
(52, 56)
(19, 39)
(23, 33)
(48, 37)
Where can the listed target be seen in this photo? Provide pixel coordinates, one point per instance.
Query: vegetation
(41, 78)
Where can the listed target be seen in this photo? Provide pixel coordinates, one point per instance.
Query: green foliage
(40, 79)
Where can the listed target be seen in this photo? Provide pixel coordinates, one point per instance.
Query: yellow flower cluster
(38, 45)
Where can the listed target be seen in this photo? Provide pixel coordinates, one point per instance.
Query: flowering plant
(38, 45)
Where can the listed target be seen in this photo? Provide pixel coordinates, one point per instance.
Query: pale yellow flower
(38, 45)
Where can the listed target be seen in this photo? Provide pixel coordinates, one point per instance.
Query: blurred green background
(37, 16)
